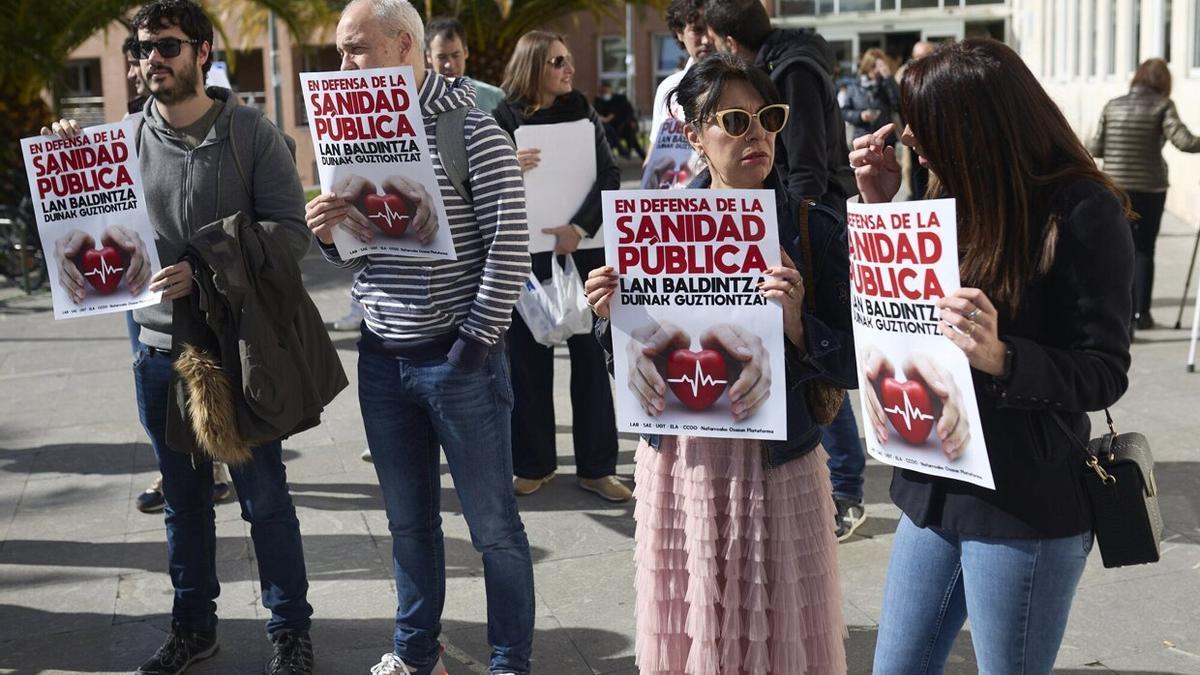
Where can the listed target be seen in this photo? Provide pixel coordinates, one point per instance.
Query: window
(311, 59)
(1196, 37)
(669, 57)
(797, 7)
(1111, 11)
(82, 93)
(1166, 9)
(247, 74)
(613, 69)
(1135, 56)
(857, 6)
(1092, 48)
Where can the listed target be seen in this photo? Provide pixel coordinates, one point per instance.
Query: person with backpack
(194, 137)
(736, 567)
(811, 156)
(432, 370)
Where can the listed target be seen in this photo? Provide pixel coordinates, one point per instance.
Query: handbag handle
(1092, 460)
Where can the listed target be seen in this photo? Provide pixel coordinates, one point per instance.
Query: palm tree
(494, 26)
(38, 39)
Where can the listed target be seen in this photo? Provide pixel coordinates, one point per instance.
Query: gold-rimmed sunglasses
(735, 122)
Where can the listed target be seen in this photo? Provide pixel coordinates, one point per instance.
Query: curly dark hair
(682, 12)
(188, 15)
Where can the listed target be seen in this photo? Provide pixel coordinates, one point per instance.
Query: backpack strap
(810, 282)
(237, 160)
(452, 147)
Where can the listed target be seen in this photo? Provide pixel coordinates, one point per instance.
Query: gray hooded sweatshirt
(187, 188)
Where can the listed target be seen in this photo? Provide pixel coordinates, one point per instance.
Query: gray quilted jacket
(1132, 132)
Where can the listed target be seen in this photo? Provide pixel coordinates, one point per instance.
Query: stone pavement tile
(1165, 659)
(315, 461)
(572, 523)
(1178, 556)
(73, 522)
(1117, 620)
(556, 649)
(87, 452)
(63, 599)
(70, 642)
(598, 584)
(98, 491)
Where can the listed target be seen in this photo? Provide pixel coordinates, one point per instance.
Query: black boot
(182, 648)
(293, 653)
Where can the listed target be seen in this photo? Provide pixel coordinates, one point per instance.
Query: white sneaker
(352, 320)
(390, 664)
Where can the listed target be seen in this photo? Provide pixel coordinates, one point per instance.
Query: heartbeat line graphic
(387, 214)
(700, 380)
(909, 412)
(104, 270)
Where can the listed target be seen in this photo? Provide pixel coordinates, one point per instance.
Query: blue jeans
(409, 408)
(1017, 592)
(847, 461)
(191, 535)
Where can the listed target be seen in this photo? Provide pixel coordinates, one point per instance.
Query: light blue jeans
(1018, 593)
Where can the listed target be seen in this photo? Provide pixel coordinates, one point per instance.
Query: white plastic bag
(555, 309)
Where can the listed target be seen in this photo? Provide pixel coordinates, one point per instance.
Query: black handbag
(1118, 479)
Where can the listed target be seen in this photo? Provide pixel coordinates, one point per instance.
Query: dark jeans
(594, 423)
(1149, 207)
(847, 461)
(409, 408)
(262, 490)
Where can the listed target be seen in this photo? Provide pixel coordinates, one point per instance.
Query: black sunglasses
(559, 61)
(735, 122)
(168, 48)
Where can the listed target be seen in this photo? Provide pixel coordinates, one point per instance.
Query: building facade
(1084, 52)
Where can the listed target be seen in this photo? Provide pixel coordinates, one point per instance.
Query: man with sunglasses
(190, 142)
(813, 161)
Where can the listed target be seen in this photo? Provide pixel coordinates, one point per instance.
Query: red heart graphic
(103, 268)
(390, 213)
(697, 378)
(909, 407)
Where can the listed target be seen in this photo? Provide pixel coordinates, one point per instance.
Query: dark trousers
(594, 423)
(918, 179)
(1149, 207)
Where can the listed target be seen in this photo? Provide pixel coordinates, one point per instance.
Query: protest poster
(562, 180)
(672, 162)
(687, 316)
(912, 380)
(370, 143)
(92, 220)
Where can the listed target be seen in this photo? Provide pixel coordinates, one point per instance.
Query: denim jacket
(828, 336)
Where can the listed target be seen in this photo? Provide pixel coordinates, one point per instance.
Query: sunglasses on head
(168, 48)
(735, 122)
(559, 61)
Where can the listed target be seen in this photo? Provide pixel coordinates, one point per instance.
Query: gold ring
(789, 291)
(974, 313)
(971, 332)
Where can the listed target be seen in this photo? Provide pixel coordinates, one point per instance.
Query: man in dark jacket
(188, 137)
(811, 152)
(813, 161)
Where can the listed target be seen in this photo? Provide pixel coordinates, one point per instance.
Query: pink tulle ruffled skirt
(736, 564)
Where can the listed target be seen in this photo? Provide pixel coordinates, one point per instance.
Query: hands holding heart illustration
(120, 257)
(356, 205)
(926, 400)
(730, 358)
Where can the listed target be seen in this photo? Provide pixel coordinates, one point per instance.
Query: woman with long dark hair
(1130, 137)
(736, 565)
(539, 82)
(1047, 265)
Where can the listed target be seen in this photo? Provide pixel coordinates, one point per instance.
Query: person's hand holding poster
(373, 156)
(92, 220)
(561, 179)
(697, 348)
(918, 399)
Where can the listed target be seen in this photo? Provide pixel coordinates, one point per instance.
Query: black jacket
(872, 93)
(811, 152)
(569, 108)
(261, 365)
(1070, 355)
(828, 332)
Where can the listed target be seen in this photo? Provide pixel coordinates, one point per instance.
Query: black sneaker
(293, 653)
(182, 648)
(850, 514)
(151, 500)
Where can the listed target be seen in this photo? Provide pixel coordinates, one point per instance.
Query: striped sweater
(468, 302)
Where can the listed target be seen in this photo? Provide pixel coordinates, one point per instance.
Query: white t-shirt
(660, 111)
(672, 165)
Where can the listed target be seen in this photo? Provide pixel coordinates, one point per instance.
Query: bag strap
(1090, 459)
(452, 147)
(237, 160)
(810, 281)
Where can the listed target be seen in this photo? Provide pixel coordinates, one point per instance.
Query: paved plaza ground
(83, 587)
